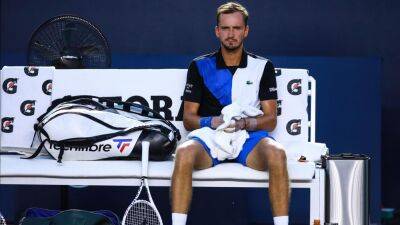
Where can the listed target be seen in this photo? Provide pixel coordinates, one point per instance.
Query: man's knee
(185, 156)
(274, 153)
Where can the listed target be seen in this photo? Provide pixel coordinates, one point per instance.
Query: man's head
(232, 26)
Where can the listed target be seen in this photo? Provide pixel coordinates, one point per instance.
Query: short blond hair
(232, 7)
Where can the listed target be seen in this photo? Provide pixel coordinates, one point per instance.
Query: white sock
(281, 220)
(179, 219)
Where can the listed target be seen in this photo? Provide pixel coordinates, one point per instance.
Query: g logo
(10, 85)
(7, 124)
(31, 71)
(293, 127)
(47, 87)
(28, 107)
(294, 87)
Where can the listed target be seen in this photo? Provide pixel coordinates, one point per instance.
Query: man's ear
(246, 30)
(216, 29)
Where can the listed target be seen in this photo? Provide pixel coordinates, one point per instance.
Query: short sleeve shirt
(197, 91)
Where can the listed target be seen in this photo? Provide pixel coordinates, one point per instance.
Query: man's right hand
(216, 121)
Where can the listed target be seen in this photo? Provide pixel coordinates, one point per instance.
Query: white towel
(312, 151)
(223, 142)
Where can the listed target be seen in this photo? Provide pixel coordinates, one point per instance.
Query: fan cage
(76, 19)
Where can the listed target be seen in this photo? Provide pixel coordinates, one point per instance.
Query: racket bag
(95, 128)
(39, 216)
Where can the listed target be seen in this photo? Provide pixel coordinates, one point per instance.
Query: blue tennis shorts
(248, 146)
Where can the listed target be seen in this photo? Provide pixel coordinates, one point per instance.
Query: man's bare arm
(268, 120)
(190, 115)
(191, 119)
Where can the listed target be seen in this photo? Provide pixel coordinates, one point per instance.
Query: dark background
(350, 47)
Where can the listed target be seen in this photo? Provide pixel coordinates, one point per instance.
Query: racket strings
(142, 213)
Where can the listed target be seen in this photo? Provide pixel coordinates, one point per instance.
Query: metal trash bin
(347, 189)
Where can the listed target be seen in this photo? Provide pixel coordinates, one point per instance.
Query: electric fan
(69, 42)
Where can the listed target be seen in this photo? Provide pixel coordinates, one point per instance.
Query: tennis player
(209, 87)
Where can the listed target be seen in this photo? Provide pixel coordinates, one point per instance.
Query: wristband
(251, 124)
(240, 124)
(205, 121)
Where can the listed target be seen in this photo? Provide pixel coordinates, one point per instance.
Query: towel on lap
(222, 144)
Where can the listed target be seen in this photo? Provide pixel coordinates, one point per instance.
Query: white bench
(45, 171)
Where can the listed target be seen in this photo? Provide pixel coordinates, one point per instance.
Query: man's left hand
(236, 125)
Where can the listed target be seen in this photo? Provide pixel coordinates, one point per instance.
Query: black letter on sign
(167, 104)
(294, 87)
(138, 99)
(179, 117)
(293, 127)
(110, 104)
(278, 72)
(279, 108)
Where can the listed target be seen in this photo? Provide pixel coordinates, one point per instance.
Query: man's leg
(190, 155)
(269, 155)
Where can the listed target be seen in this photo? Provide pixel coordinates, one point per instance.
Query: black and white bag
(93, 128)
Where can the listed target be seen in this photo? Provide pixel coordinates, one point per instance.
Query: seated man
(214, 81)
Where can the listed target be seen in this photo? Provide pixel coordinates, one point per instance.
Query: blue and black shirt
(214, 85)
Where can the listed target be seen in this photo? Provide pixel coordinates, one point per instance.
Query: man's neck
(232, 58)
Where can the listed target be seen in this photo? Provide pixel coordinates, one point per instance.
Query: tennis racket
(2, 220)
(141, 211)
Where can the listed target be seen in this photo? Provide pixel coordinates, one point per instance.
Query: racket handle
(145, 157)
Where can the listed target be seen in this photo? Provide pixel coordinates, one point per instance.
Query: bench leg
(317, 198)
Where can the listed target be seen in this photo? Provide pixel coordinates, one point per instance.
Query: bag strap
(42, 143)
(44, 122)
(71, 99)
(38, 150)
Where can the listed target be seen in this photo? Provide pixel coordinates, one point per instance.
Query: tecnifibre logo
(293, 127)
(10, 85)
(294, 87)
(47, 87)
(28, 107)
(31, 71)
(122, 144)
(93, 148)
(7, 124)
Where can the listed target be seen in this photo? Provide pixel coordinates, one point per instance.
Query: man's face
(231, 30)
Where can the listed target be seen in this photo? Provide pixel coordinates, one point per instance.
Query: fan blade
(42, 47)
(67, 33)
(85, 50)
(50, 56)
